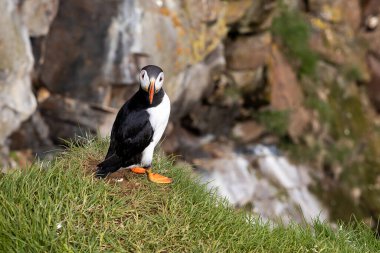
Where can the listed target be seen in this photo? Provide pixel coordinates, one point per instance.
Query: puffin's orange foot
(157, 178)
(138, 170)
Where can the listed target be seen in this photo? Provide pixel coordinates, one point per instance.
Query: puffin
(138, 127)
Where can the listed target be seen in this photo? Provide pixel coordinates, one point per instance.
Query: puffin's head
(151, 80)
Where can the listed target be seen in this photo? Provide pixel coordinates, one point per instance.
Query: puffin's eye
(143, 75)
(160, 79)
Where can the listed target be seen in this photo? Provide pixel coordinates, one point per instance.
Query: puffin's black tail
(111, 164)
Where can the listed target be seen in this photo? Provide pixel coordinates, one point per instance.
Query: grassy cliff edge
(60, 207)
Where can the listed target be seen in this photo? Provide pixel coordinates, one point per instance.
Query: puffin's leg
(157, 178)
(138, 170)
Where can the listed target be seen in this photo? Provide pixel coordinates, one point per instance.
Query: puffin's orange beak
(151, 91)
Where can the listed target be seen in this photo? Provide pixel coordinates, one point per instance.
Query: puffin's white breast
(158, 118)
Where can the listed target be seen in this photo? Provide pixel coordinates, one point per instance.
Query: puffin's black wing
(133, 134)
(115, 127)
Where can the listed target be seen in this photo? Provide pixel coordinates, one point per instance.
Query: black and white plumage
(139, 125)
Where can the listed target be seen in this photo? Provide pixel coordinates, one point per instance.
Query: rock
(224, 93)
(235, 10)
(371, 22)
(217, 113)
(183, 33)
(180, 140)
(75, 49)
(5, 161)
(328, 10)
(253, 88)
(247, 131)
(37, 15)
(67, 118)
(373, 86)
(126, 35)
(372, 36)
(299, 120)
(17, 101)
(338, 44)
(216, 120)
(330, 75)
(324, 41)
(195, 148)
(94, 50)
(184, 96)
(257, 16)
(83, 64)
(285, 93)
(335, 11)
(33, 134)
(219, 148)
(247, 80)
(370, 14)
(120, 94)
(293, 5)
(42, 95)
(354, 19)
(248, 52)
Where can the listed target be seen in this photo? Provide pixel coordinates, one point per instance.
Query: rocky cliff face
(296, 76)
(93, 53)
(17, 24)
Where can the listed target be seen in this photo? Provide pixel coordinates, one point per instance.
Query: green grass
(138, 216)
(352, 73)
(294, 33)
(275, 121)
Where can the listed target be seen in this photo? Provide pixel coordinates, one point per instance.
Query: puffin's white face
(159, 81)
(151, 84)
(144, 80)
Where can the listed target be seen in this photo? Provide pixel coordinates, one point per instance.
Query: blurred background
(275, 102)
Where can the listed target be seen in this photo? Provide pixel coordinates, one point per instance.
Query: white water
(294, 179)
(276, 188)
